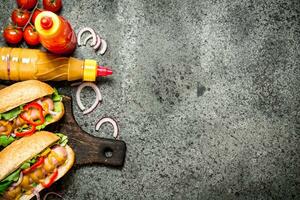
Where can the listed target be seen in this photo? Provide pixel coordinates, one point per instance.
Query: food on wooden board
(27, 64)
(26, 107)
(39, 161)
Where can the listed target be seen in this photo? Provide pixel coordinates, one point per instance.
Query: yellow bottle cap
(54, 26)
(89, 70)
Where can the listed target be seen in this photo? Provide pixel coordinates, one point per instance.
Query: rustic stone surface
(206, 94)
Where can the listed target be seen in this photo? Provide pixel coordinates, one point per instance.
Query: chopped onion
(13, 135)
(19, 180)
(53, 113)
(97, 45)
(112, 122)
(97, 99)
(37, 194)
(39, 102)
(103, 47)
(53, 193)
(87, 29)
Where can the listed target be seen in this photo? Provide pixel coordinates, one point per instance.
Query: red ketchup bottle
(56, 33)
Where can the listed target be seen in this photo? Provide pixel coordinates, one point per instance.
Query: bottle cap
(91, 70)
(103, 71)
(46, 22)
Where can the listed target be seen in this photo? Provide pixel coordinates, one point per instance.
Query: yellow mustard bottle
(19, 64)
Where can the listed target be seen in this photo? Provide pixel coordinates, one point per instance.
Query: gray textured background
(206, 93)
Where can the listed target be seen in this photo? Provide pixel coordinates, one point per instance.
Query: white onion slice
(19, 180)
(112, 122)
(97, 45)
(97, 99)
(103, 47)
(39, 102)
(53, 113)
(86, 29)
(37, 194)
(87, 39)
(90, 109)
(53, 193)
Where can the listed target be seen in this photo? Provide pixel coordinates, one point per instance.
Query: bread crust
(23, 92)
(14, 155)
(62, 170)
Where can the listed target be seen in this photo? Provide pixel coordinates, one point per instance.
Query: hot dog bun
(23, 92)
(14, 155)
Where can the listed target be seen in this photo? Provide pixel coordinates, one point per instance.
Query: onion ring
(86, 29)
(97, 100)
(103, 47)
(53, 193)
(97, 45)
(90, 109)
(112, 122)
(87, 39)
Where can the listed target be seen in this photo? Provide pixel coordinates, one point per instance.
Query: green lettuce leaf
(5, 141)
(11, 114)
(57, 107)
(34, 184)
(28, 163)
(63, 139)
(4, 184)
(56, 96)
(48, 119)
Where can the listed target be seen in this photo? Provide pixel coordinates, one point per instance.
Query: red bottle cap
(46, 22)
(103, 71)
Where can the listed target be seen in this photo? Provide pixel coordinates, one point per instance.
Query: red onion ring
(112, 122)
(97, 99)
(87, 39)
(103, 47)
(86, 29)
(97, 45)
(53, 193)
(19, 180)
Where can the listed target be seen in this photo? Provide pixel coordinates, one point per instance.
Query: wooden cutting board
(88, 149)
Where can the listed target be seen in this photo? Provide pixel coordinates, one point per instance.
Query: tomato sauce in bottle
(56, 33)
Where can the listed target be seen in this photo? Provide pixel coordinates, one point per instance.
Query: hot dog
(33, 163)
(26, 107)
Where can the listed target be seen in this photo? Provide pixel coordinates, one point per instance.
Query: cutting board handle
(90, 149)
